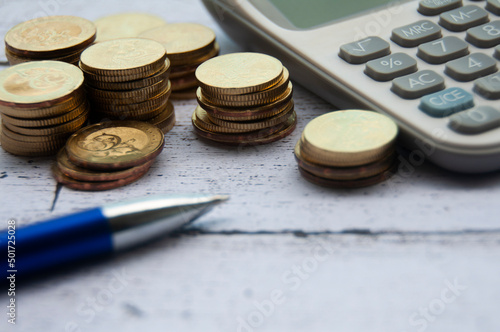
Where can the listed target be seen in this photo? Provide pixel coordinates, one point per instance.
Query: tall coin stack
(128, 79)
(244, 98)
(61, 38)
(42, 103)
(188, 45)
(348, 149)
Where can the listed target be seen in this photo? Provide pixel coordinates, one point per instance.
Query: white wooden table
(420, 252)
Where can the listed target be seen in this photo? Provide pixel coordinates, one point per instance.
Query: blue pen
(97, 232)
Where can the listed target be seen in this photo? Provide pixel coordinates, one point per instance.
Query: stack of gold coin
(348, 149)
(188, 45)
(61, 38)
(128, 79)
(108, 155)
(125, 25)
(42, 103)
(244, 98)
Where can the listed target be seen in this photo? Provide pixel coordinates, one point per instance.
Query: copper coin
(345, 173)
(58, 138)
(68, 127)
(359, 183)
(30, 149)
(115, 145)
(82, 174)
(93, 186)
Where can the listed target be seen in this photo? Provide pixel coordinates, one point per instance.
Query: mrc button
(446, 102)
(414, 34)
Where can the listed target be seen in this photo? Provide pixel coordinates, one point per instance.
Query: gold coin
(45, 110)
(179, 71)
(50, 36)
(115, 145)
(246, 103)
(202, 120)
(165, 120)
(128, 96)
(82, 174)
(162, 74)
(94, 186)
(254, 138)
(17, 59)
(30, 149)
(245, 114)
(255, 124)
(348, 138)
(39, 83)
(58, 138)
(345, 173)
(125, 25)
(239, 73)
(68, 127)
(139, 108)
(183, 41)
(123, 58)
(46, 122)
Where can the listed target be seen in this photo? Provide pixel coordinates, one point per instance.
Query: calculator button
(414, 34)
(446, 102)
(484, 36)
(471, 67)
(417, 84)
(443, 50)
(488, 86)
(475, 121)
(497, 52)
(364, 50)
(435, 7)
(493, 6)
(391, 66)
(463, 18)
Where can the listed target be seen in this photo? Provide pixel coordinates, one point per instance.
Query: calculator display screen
(305, 14)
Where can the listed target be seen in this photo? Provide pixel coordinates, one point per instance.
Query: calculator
(430, 65)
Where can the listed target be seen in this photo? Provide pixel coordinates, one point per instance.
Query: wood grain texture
(393, 247)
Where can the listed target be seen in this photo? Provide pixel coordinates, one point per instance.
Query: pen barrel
(54, 243)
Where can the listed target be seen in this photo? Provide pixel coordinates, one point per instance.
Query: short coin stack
(348, 149)
(188, 45)
(61, 38)
(42, 104)
(244, 98)
(108, 155)
(128, 79)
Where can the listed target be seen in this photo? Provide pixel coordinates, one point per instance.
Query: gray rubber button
(475, 121)
(497, 52)
(391, 66)
(488, 86)
(414, 34)
(435, 7)
(463, 18)
(493, 6)
(364, 50)
(417, 84)
(471, 67)
(443, 50)
(484, 36)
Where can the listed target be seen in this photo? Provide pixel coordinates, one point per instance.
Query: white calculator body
(431, 65)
